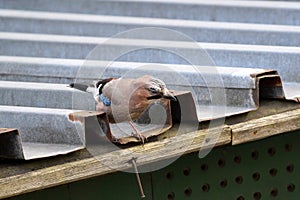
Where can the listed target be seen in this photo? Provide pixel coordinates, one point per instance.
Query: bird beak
(168, 95)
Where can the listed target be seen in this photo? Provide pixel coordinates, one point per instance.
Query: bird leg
(137, 132)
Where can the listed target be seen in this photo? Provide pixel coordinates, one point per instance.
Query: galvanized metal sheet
(34, 69)
(107, 26)
(267, 12)
(53, 70)
(42, 132)
(292, 91)
(241, 85)
(283, 59)
(44, 95)
(238, 85)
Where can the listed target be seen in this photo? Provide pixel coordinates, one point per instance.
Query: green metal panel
(60, 192)
(265, 169)
(113, 186)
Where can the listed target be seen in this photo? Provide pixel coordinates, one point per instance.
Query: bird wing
(117, 90)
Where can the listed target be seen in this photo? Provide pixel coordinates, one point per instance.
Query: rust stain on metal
(266, 72)
(271, 81)
(270, 86)
(74, 118)
(81, 115)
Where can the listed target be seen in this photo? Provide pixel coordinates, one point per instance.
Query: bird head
(157, 89)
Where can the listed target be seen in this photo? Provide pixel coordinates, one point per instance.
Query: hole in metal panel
(290, 168)
(288, 147)
(169, 175)
(188, 192)
(171, 196)
(187, 171)
(223, 183)
(205, 187)
(274, 192)
(273, 172)
(237, 159)
(204, 167)
(239, 180)
(240, 198)
(291, 187)
(256, 176)
(271, 151)
(254, 155)
(221, 163)
(257, 196)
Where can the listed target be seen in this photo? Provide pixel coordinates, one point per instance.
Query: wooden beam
(257, 129)
(110, 162)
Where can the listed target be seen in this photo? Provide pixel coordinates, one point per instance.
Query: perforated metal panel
(265, 169)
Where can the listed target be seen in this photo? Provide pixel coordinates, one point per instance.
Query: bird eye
(153, 90)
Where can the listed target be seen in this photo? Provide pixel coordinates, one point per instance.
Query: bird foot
(137, 133)
(140, 137)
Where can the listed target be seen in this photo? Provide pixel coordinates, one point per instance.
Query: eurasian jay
(125, 99)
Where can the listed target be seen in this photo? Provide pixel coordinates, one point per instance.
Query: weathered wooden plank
(265, 127)
(90, 167)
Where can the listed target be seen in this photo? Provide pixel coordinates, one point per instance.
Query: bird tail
(80, 86)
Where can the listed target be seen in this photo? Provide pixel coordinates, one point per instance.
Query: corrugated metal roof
(44, 45)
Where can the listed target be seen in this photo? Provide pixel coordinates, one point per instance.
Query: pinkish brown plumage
(127, 99)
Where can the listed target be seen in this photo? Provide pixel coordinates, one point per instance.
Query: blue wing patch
(105, 100)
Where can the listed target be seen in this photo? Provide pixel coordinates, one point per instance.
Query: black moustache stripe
(154, 97)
